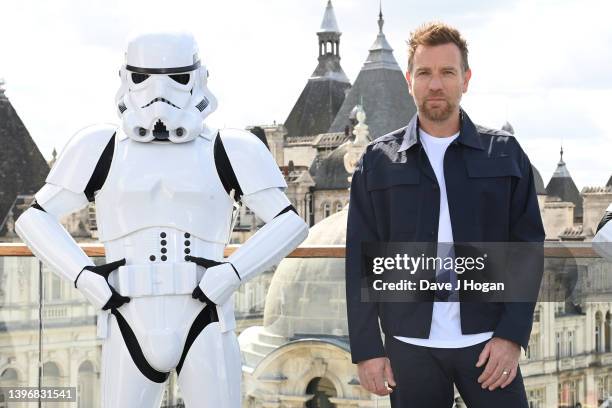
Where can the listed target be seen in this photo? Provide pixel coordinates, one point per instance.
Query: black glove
(116, 300)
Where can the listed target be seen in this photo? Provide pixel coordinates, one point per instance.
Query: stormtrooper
(602, 241)
(165, 187)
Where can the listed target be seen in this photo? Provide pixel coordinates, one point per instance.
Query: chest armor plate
(164, 184)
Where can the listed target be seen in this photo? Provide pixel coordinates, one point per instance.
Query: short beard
(437, 115)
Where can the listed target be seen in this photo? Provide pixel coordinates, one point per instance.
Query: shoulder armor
(76, 164)
(251, 161)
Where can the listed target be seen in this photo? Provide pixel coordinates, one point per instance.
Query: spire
(325, 91)
(562, 185)
(381, 21)
(329, 23)
(2, 89)
(561, 171)
(329, 34)
(381, 53)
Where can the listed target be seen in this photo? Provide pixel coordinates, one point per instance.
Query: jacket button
(163, 235)
(432, 233)
(163, 242)
(187, 235)
(152, 257)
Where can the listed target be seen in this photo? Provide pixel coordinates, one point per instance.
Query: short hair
(436, 33)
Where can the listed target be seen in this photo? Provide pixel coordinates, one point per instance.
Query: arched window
(337, 206)
(51, 375)
(598, 332)
(86, 385)
(326, 209)
(9, 378)
(607, 339)
(322, 390)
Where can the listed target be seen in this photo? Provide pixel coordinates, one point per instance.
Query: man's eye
(138, 78)
(182, 79)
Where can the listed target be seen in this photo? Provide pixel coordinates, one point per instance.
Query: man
(440, 179)
(164, 185)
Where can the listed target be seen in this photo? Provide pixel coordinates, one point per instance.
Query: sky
(543, 65)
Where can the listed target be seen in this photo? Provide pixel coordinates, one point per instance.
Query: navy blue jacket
(395, 197)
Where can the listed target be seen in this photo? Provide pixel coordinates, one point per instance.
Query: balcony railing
(23, 324)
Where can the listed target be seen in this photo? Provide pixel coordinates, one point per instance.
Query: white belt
(156, 279)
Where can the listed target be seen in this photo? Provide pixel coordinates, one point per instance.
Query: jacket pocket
(494, 167)
(391, 175)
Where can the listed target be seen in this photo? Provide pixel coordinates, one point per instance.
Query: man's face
(437, 81)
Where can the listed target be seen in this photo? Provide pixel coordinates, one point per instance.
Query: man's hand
(373, 373)
(503, 357)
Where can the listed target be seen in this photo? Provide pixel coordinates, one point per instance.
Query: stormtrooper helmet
(164, 94)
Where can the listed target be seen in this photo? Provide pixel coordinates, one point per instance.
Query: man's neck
(448, 128)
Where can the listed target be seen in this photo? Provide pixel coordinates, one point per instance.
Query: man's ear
(466, 79)
(409, 80)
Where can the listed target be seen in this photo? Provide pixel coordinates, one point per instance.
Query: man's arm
(525, 226)
(364, 330)
(502, 352)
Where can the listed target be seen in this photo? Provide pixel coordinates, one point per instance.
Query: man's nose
(435, 83)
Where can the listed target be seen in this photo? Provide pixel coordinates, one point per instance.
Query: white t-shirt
(446, 321)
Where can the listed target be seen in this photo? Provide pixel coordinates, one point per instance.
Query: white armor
(159, 202)
(602, 242)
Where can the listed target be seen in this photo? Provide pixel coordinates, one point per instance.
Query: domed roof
(539, 182)
(329, 172)
(508, 128)
(307, 295)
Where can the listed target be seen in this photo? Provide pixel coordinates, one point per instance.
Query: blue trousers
(425, 378)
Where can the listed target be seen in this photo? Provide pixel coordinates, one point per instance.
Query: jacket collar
(468, 134)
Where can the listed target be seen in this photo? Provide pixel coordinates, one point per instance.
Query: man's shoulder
(386, 144)
(498, 142)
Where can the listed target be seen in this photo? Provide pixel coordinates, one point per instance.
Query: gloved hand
(218, 283)
(92, 281)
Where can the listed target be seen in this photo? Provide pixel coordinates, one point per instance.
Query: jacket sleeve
(364, 330)
(525, 226)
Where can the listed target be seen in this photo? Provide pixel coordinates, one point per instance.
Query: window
(326, 210)
(323, 390)
(536, 398)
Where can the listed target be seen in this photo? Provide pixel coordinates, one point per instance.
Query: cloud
(538, 63)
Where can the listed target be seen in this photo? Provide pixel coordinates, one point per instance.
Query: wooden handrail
(551, 250)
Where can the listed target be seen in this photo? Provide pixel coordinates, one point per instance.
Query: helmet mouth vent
(159, 131)
(122, 107)
(158, 99)
(202, 105)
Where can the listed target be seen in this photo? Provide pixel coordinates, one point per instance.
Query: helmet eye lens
(138, 78)
(182, 79)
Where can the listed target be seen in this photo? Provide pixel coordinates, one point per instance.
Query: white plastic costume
(165, 187)
(602, 242)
